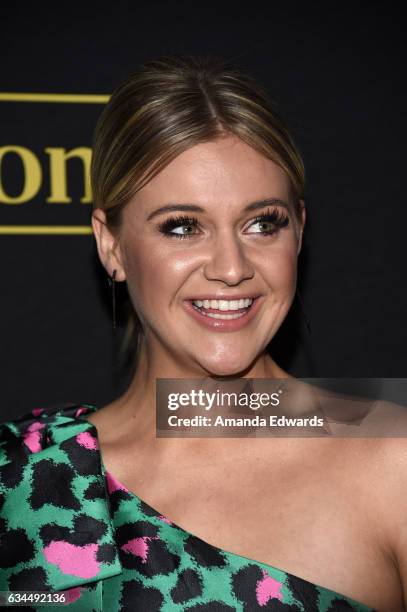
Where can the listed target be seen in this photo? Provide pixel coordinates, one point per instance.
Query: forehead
(226, 171)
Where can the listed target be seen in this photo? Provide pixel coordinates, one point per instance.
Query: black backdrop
(337, 73)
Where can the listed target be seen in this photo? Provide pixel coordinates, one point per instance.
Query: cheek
(154, 276)
(279, 268)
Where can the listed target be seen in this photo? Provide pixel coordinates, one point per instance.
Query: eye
(179, 227)
(270, 222)
(182, 226)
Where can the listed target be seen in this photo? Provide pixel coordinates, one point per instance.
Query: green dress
(68, 527)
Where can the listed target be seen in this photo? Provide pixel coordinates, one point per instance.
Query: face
(212, 278)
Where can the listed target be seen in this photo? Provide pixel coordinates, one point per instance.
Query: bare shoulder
(393, 452)
(386, 460)
(371, 474)
(383, 460)
(389, 473)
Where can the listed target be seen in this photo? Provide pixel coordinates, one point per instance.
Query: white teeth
(215, 315)
(223, 304)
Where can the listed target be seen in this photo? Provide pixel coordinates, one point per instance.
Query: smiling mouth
(223, 309)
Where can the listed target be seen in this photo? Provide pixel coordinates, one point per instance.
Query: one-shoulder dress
(70, 529)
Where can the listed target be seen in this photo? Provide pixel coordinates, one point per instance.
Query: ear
(107, 245)
(302, 224)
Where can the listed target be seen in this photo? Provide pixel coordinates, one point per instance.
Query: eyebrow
(195, 208)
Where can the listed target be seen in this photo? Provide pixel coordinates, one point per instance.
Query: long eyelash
(172, 222)
(276, 217)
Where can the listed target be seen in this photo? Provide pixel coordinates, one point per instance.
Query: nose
(228, 261)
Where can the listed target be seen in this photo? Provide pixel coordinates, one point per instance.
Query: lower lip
(223, 324)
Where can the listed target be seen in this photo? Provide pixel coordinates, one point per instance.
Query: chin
(227, 367)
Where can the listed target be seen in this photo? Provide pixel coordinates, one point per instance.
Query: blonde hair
(167, 106)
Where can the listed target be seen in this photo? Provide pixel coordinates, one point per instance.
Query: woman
(198, 204)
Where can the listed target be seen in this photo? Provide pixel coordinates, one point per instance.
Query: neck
(139, 400)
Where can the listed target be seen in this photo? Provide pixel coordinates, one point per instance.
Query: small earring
(112, 285)
(308, 324)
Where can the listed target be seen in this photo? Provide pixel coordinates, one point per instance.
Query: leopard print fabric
(67, 525)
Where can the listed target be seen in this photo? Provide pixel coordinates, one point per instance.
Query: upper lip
(239, 296)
